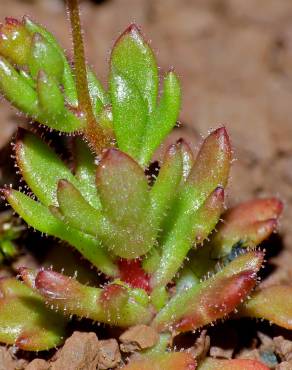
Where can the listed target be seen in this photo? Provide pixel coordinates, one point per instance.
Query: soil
(234, 58)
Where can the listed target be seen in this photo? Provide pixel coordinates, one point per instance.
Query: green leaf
(112, 305)
(85, 169)
(78, 212)
(134, 60)
(163, 118)
(122, 187)
(212, 299)
(210, 170)
(40, 167)
(25, 321)
(98, 95)
(124, 196)
(39, 217)
(67, 78)
(51, 101)
(17, 90)
(188, 158)
(190, 229)
(163, 191)
(129, 113)
(44, 56)
(151, 261)
(105, 119)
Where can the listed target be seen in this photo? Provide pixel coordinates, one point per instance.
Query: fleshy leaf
(17, 90)
(85, 170)
(105, 119)
(25, 321)
(98, 95)
(112, 304)
(164, 189)
(124, 196)
(163, 118)
(272, 303)
(54, 114)
(210, 170)
(49, 93)
(45, 57)
(67, 78)
(39, 217)
(245, 225)
(162, 361)
(122, 187)
(237, 364)
(191, 228)
(188, 158)
(248, 223)
(40, 167)
(134, 59)
(129, 113)
(212, 299)
(78, 212)
(36, 54)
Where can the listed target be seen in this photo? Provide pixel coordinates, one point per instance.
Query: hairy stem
(93, 132)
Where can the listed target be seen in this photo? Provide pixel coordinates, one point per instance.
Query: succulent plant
(167, 259)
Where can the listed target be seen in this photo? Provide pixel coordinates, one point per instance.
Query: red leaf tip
(133, 27)
(54, 285)
(219, 193)
(133, 30)
(62, 183)
(222, 136)
(6, 192)
(12, 21)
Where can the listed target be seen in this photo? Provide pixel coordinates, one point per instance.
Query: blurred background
(234, 58)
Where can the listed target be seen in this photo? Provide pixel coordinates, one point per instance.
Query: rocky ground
(234, 58)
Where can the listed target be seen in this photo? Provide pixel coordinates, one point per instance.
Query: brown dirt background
(234, 58)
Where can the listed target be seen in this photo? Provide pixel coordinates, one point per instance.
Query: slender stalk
(93, 132)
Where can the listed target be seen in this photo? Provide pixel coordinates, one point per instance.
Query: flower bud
(15, 41)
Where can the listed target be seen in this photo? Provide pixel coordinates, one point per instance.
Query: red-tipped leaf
(113, 304)
(212, 299)
(249, 223)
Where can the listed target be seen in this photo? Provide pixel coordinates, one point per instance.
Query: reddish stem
(132, 273)
(93, 132)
